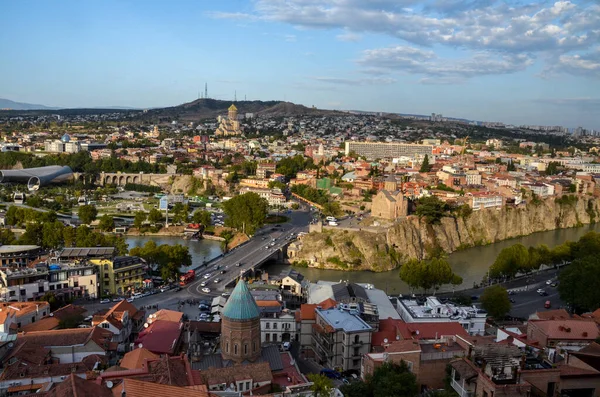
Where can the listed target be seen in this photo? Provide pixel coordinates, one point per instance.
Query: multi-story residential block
(255, 182)
(485, 200)
(74, 280)
(276, 323)
(22, 313)
(432, 310)
(120, 275)
(384, 150)
(340, 338)
(264, 170)
(540, 189)
(473, 177)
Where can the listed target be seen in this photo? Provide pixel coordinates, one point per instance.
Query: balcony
(462, 392)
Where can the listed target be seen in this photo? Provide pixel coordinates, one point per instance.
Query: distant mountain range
(8, 104)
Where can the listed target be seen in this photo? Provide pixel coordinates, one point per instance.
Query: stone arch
(121, 180)
(114, 180)
(135, 179)
(128, 179)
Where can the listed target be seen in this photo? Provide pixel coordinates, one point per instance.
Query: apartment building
(273, 196)
(340, 338)
(73, 280)
(120, 275)
(384, 150)
(277, 324)
(264, 170)
(485, 200)
(19, 255)
(432, 310)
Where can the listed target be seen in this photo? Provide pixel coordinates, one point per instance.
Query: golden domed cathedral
(229, 126)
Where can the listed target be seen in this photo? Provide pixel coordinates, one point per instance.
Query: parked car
(206, 290)
(330, 373)
(217, 280)
(117, 299)
(547, 305)
(286, 346)
(106, 300)
(165, 288)
(549, 282)
(203, 284)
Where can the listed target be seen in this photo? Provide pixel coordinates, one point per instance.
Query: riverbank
(412, 237)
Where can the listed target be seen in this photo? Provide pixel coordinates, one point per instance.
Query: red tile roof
(45, 324)
(307, 311)
(74, 386)
(258, 372)
(433, 330)
(161, 337)
(136, 358)
(567, 329)
(139, 388)
(401, 346)
(557, 314)
(328, 304)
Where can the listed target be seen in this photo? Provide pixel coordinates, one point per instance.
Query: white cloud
(348, 36)
(442, 71)
(356, 81)
(290, 38)
(562, 30)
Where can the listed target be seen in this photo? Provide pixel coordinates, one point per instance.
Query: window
(52, 288)
(267, 325)
(235, 347)
(106, 283)
(274, 337)
(105, 325)
(254, 347)
(356, 339)
(106, 267)
(247, 385)
(245, 348)
(274, 325)
(41, 289)
(75, 284)
(227, 347)
(267, 337)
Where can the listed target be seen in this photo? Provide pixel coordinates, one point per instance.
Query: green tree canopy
(495, 301)
(203, 217)
(107, 223)
(87, 213)
(168, 258)
(322, 385)
(579, 284)
(432, 209)
(246, 212)
(428, 274)
(510, 261)
(155, 216)
(388, 380)
(139, 219)
(425, 166)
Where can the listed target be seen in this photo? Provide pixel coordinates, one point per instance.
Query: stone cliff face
(412, 238)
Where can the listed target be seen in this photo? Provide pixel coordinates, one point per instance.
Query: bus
(187, 278)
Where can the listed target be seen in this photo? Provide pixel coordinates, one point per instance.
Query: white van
(331, 219)
(333, 223)
(137, 295)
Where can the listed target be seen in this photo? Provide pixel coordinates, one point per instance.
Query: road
(248, 254)
(267, 241)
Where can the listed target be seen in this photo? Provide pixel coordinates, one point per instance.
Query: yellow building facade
(120, 275)
(229, 126)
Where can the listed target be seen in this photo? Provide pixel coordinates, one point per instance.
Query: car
(331, 374)
(547, 305)
(88, 318)
(553, 284)
(539, 290)
(511, 292)
(223, 271)
(206, 290)
(130, 300)
(203, 284)
(542, 292)
(137, 295)
(106, 300)
(286, 346)
(238, 264)
(549, 282)
(217, 280)
(165, 288)
(117, 299)
(207, 275)
(204, 307)
(178, 288)
(226, 294)
(511, 300)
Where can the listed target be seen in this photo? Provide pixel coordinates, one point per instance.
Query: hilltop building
(229, 126)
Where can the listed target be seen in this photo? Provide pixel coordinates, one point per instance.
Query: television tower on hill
(205, 90)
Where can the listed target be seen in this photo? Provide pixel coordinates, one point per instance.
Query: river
(471, 264)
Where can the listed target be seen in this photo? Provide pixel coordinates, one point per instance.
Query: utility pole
(205, 90)
(167, 214)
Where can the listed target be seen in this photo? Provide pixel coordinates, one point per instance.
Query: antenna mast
(205, 90)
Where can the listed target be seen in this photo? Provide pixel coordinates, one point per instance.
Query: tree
(203, 217)
(432, 209)
(227, 236)
(578, 284)
(510, 261)
(428, 274)
(87, 213)
(168, 258)
(155, 216)
(511, 166)
(180, 213)
(321, 386)
(552, 168)
(107, 223)
(277, 185)
(495, 301)
(246, 212)
(139, 219)
(425, 167)
(7, 237)
(388, 380)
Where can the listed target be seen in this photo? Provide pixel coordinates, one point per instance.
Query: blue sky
(522, 63)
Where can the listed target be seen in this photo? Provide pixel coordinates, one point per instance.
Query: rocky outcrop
(413, 238)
